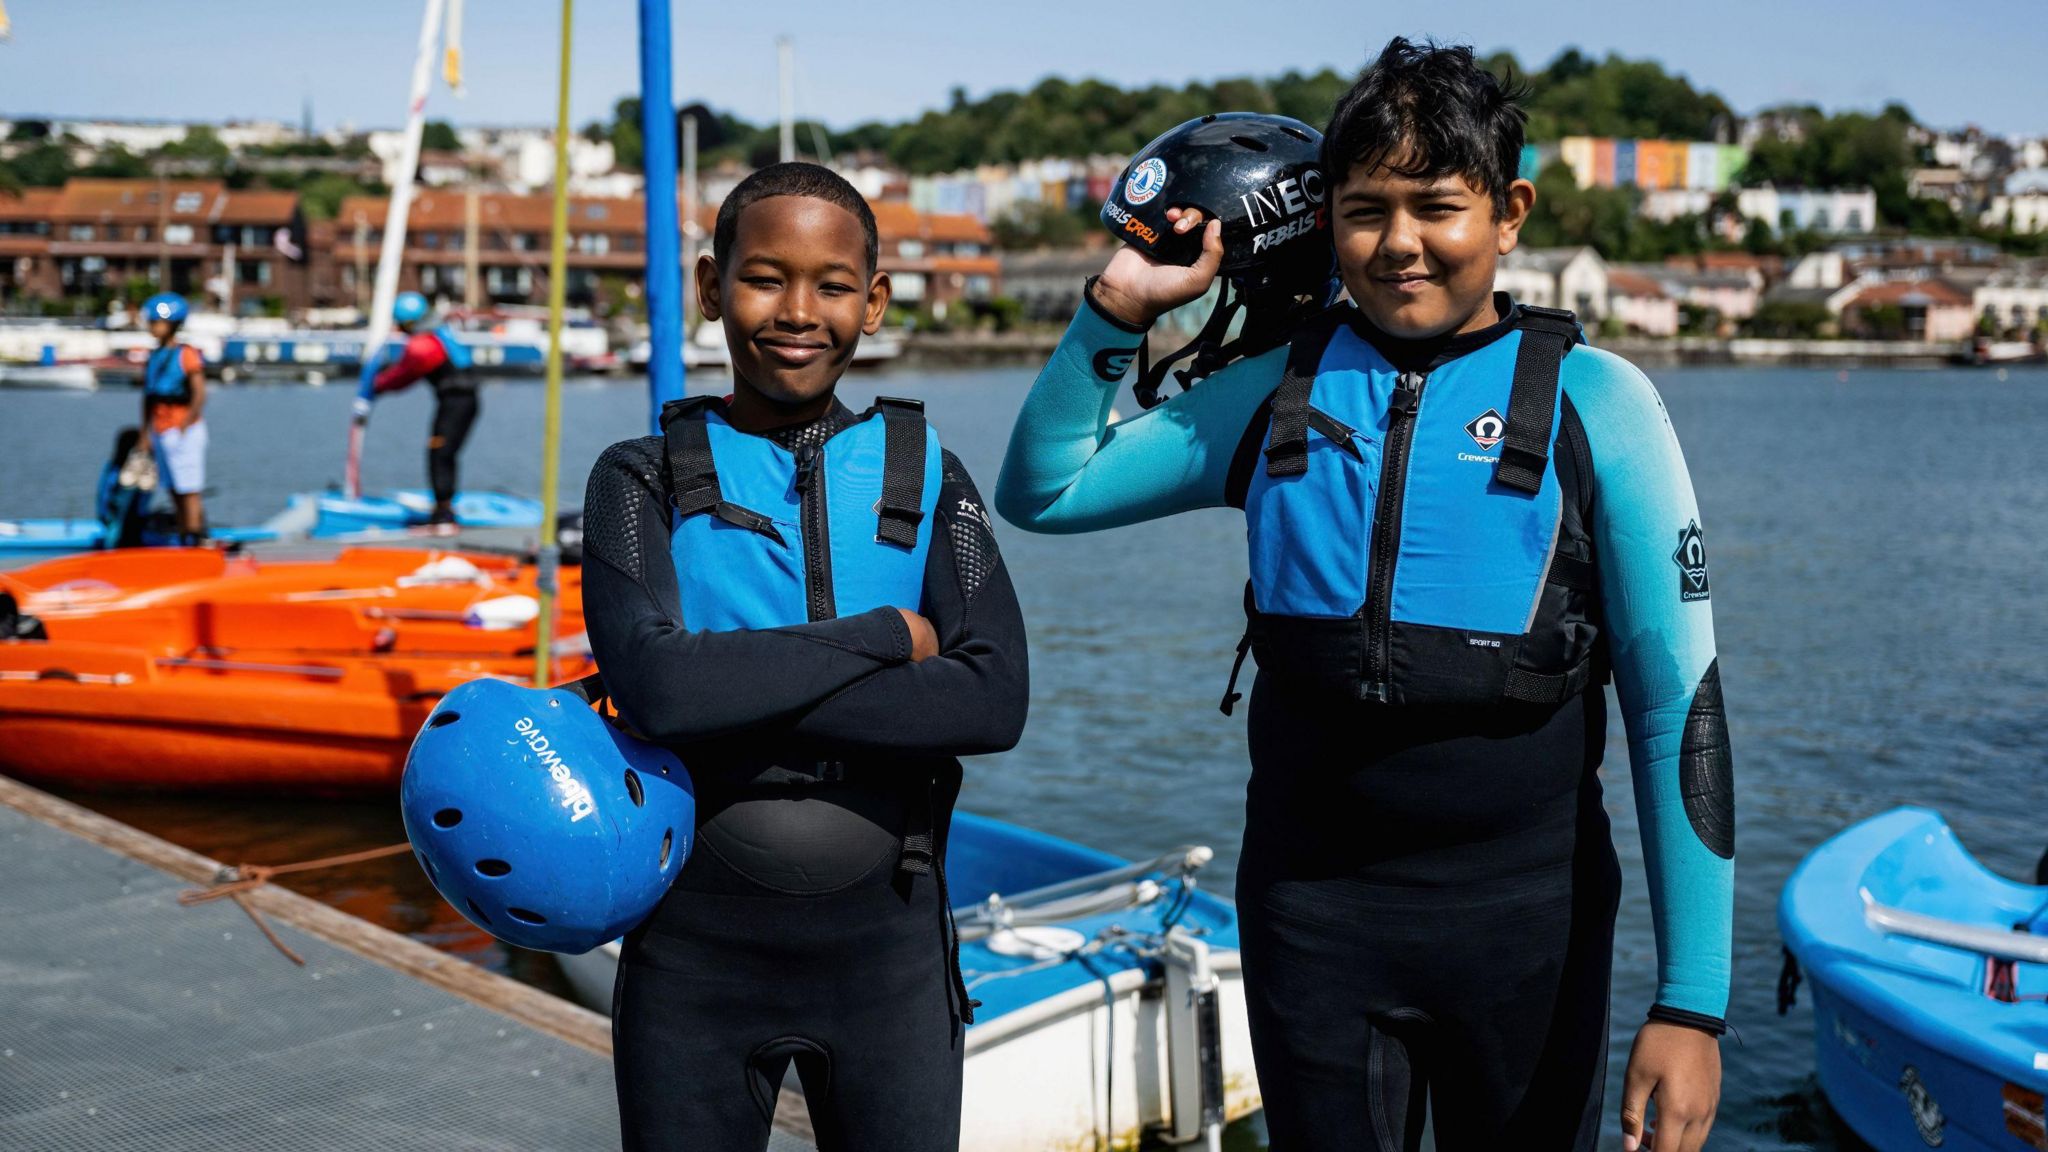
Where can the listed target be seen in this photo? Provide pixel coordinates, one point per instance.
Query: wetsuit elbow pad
(1706, 767)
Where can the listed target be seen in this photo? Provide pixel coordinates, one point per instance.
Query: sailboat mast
(664, 241)
(551, 426)
(391, 256)
(782, 63)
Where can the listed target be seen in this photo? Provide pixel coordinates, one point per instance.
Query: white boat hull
(69, 377)
(1086, 1068)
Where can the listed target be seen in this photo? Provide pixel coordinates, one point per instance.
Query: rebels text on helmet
(1297, 200)
(576, 796)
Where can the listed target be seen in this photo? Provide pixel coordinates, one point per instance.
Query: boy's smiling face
(1418, 254)
(795, 299)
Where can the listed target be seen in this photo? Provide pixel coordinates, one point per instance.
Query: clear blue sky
(1952, 63)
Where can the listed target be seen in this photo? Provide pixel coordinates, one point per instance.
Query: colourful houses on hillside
(1601, 162)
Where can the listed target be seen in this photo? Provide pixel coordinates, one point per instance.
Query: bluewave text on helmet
(575, 795)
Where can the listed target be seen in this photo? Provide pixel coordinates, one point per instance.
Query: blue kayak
(1928, 973)
(307, 515)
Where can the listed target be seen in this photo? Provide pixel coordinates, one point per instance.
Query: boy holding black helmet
(1461, 521)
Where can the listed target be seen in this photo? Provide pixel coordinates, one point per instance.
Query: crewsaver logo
(1691, 559)
(1926, 1110)
(1112, 363)
(1487, 429)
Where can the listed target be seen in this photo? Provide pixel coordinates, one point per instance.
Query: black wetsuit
(799, 932)
(1428, 891)
(455, 409)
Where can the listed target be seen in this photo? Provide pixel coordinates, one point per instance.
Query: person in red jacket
(433, 354)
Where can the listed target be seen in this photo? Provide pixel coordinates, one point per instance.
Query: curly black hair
(793, 179)
(1433, 108)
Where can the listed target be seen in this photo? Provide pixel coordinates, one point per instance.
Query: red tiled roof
(1624, 283)
(1934, 291)
(30, 204)
(439, 210)
(895, 220)
(183, 202)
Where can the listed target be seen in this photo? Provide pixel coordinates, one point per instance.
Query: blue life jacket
(460, 357)
(765, 537)
(163, 379)
(1414, 537)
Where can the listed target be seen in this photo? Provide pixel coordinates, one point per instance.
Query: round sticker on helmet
(1144, 182)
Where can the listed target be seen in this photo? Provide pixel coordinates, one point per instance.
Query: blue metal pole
(664, 238)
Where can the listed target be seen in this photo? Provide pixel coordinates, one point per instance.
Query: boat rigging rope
(234, 882)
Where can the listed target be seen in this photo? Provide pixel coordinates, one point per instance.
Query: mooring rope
(236, 881)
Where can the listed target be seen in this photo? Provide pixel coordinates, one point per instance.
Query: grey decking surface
(128, 1022)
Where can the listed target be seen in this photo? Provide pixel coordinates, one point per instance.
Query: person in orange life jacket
(173, 409)
(431, 354)
(807, 605)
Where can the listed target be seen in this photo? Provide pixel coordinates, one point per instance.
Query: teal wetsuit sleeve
(1070, 470)
(1660, 628)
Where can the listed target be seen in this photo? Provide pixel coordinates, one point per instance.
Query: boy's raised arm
(1069, 470)
(675, 685)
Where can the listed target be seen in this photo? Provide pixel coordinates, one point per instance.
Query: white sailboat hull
(1085, 1065)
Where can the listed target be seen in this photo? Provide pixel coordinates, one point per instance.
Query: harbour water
(1877, 548)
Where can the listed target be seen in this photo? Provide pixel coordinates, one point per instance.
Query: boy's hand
(1680, 1069)
(924, 640)
(1137, 289)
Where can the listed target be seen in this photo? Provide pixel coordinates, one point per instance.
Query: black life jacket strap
(903, 465)
(1244, 646)
(693, 475)
(1547, 335)
(1287, 441)
(1573, 573)
(1548, 688)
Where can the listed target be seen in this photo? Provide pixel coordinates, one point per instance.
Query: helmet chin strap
(1269, 319)
(1209, 351)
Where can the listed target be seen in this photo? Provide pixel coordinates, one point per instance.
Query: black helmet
(1259, 174)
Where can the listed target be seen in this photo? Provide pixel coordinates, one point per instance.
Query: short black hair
(1436, 103)
(793, 179)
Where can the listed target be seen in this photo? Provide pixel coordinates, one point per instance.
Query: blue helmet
(165, 306)
(539, 820)
(409, 308)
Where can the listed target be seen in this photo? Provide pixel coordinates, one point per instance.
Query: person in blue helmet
(174, 412)
(1461, 521)
(807, 604)
(435, 355)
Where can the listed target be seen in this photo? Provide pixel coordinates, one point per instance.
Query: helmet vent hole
(443, 719)
(668, 839)
(447, 817)
(493, 868)
(483, 919)
(1251, 142)
(634, 789)
(1297, 133)
(428, 867)
(525, 917)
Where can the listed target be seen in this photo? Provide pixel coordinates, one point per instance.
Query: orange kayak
(188, 669)
(106, 716)
(363, 601)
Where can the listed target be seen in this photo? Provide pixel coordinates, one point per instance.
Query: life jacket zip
(810, 486)
(1386, 531)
